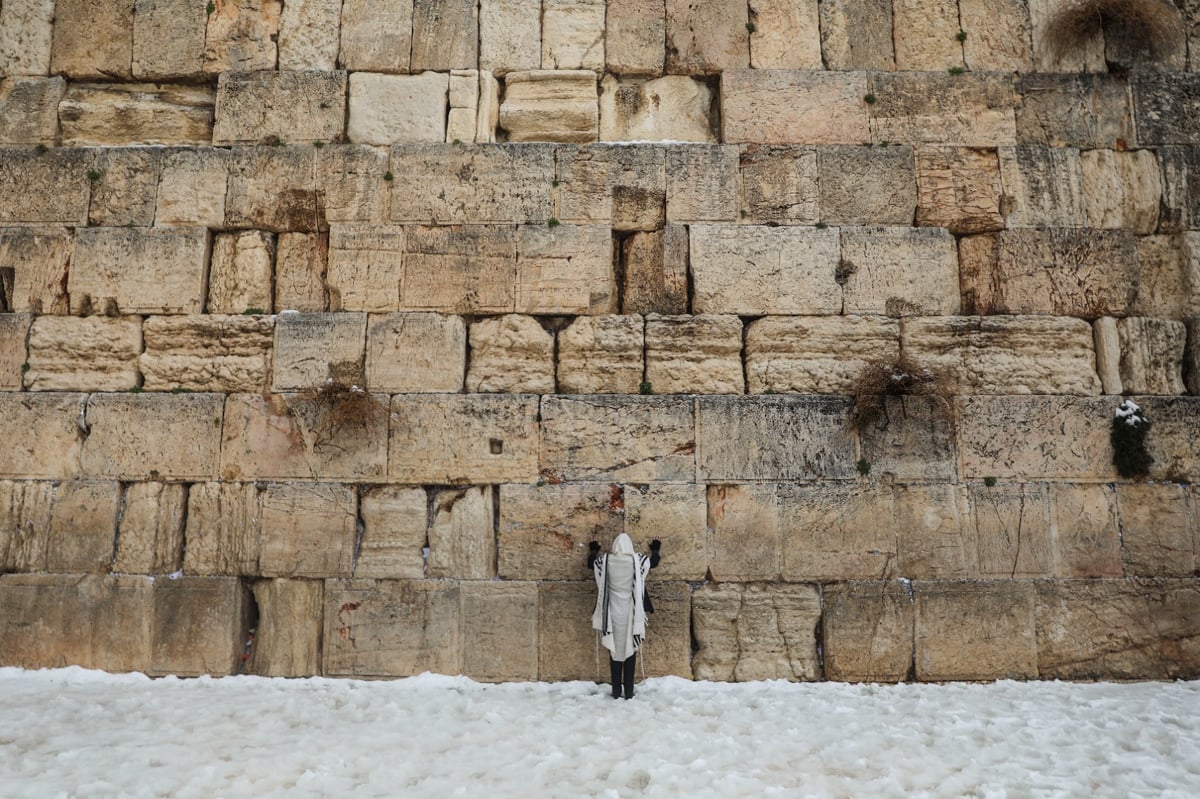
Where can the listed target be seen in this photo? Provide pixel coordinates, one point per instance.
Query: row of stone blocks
(175, 39)
(741, 532)
(877, 631)
(514, 354)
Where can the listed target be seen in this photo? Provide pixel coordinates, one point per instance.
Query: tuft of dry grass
(1146, 26)
(894, 378)
(337, 407)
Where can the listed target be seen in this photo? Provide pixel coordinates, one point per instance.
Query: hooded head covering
(622, 545)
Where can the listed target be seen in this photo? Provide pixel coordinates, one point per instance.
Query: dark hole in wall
(7, 278)
(496, 446)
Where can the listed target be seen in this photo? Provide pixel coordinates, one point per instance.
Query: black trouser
(622, 672)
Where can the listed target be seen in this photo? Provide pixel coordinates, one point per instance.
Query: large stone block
(676, 514)
(468, 269)
(958, 189)
(837, 532)
(150, 532)
(308, 34)
(24, 522)
(752, 271)
(462, 534)
(445, 35)
(935, 531)
(223, 529)
(975, 631)
(386, 109)
(545, 529)
(191, 187)
(924, 34)
(511, 354)
(286, 106)
(28, 108)
(287, 642)
(416, 353)
(566, 269)
(1180, 172)
(207, 353)
(971, 110)
(550, 105)
(124, 192)
(567, 644)
(999, 37)
(33, 262)
(756, 632)
(242, 36)
(911, 439)
(1164, 105)
(1121, 189)
(45, 188)
(856, 34)
(667, 649)
(301, 260)
(1157, 530)
(706, 37)
(796, 438)
(601, 355)
(785, 35)
(1175, 450)
(1151, 355)
(44, 434)
(866, 186)
(199, 626)
(366, 267)
(1090, 110)
(780, 184)
(1168, 277)
(14, 332)
(308, 530)
(794, 107)
(92, 39)
(1043, 187)
(815, 354)
(500, 631)
(655, 272)
(81, 528)
(573, 34)
(240, 273)
(395, 524)
(463, 439)
(311, 349)
(376, 35)
(867, 632)
(745, 533)
(136, 113)
(1085, 530)
(1013, 536)
(672, 108)
(699, 354)
(26, 29)
(634, 34)
(351, 183)
(152, 436)
(155, 270)
(179, 22)
(510, 35)
(604, 438)
(898, 271)
(95, 353)
(624, 187)
(702, 183)
(391, 628)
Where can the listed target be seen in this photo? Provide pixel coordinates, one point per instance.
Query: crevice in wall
(7, 281)
(746, 320)
(122, 493)
(360, 528)
(431, 503)
(619, 243)
(689, 278)
(496, 534)
(180, 555)
(468, 320)
(249, 626)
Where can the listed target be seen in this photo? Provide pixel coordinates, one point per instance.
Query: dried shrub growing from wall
(1150, 27)
(896, 378)
(336, 408)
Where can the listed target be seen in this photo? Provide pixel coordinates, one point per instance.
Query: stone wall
(353, 325)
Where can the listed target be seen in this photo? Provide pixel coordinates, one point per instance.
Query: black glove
(594, 547)
(655, 545)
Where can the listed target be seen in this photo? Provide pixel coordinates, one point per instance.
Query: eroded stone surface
(794, 107)
(672, 108)
(699, 354)
(28, 106)
(462, 537)
(868, 631)
(416, 353)
(308, 530)
(710, 36)
(95, 353)
(36, 261)
(866, 186)
(975, 631)
(285, 106)
(500, 631)
(199, 626)
(801, 438)
(311, 349)
(207, 352)
(136, 113)
(855, 35)
(786, 35)
(601, 355)
(153, 436)
(1043, 187)
(159, 270)
(816, 354)
(376, 36)
(898, 271)
(656, 267)
(756, 632)
(958, 189)
(745, 532)
(1157, 527)
(1085, 530)
(43, 432)
(511, 354)
(150, 533)
(838, 532)
(971, 110)
(240, 273)
(1151, 355)
(223, 529)
(1013, 530)
(387, 109)
(545, 529)
(550, 105)
(287, 642)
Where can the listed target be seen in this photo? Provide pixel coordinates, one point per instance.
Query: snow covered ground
(72, 732)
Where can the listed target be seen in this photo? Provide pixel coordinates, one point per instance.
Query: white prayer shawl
(620, 614)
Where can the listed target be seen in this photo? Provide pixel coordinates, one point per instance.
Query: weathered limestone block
(1118, 629)
(301, 260)
(366, 267)
(385, 109)
(154, 270)
(308, 530)
(308, 34)
(958, 189)
(634, 34)
(1013, 530)
(1151, 355)
(223, 529)
(798, 438)
(181, 23)
(445, 35)
(925, 34)
(1006, 354)
(706, 37)
(304, 436)
(96, 353)
(1157, 530)
(462, 537)
(745, 532)
(1121, 189)
(601, 355)
(668, 645)
(311, 349)
(1085, 530)
(290, 620)
(150, 532)
(14, 332)
(464, 106)
(199, 626)
(1168, 268)
(191, 187)
(780, 184)
(36, 261)
(124, 192)
(395, 523)
(1089, 110)
(756, 632)
(136, 113)
(81, 528)
(25, 36)
(935, 532)
(467, 269)
(207, 353)
(510, 35)
(1108, 354)
(28, 107)
(672, 108)
(856, 34)
(287, 106)
(545, 529)
(655, 276)
(463, 439)
(702, 183)
(376, 36)
(391, 628)
(971, 110)
(511, 354)
(837, 532)
(1164, 107)
(754, 271)
(43, 434)
(416, 353)
(24, 524)
(350, 182)
(1068, 438)
(1180, 172)
(786, 35)
(676, 514)
(999, 37)
(1175, 449)
(152, 436)
(573, 34)
(92, 39)
(699, 354)
(566, 638)
(1043, 187)
(241, 36)
(898, 271)
(975, 630)
(912, 439)
(489, 109)
(794, 107)
(566, 269)
(239, 279)
(45, 188)
(867, 631)
(500, 631)
(550, 105)
(605, 438)
(866, 186)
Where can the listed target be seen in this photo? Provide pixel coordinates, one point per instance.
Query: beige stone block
(464, 91)
(856, 34)
(26, 28)
(1043, 187)
(935, 532)
(95, 353)
(1013, 530)
(545, 529)
(445, 35)
(667, 650)
(601, 355)
(785, 35)
(746, 535)
(797, 438)
(1108, 354)
(462, 537)
(124, 192)
(794, 107)
(28, 107)
(300, 263)
(975, 630)
(416, 353)
(702, 182)
(780, 184)
(489, 109)
(912, 439)
(998, 35)
(1168, 267)
(707, 37)
(624, 187)
(24, 524)
(752, 271)
(391, 628)
(155, 270)
(1085, 530)
(634, 34)
(550, 105)
(152, 436)
(672, 108)
(463, 439)
(207, 353)
(565, 269)
(288, 106)
(573, 34)
(82, 527)
(349, 179)
(756, 632)
(466, 269)
(631, 439)
(45, 188)
(510, 35)
(366, 267)
(36, 261)
(460, 125)
(1157, 530)
(926, 35)
(395, 524)
(655, 274)
(1180, 171)
(386, 109)
(677, 515)
(511, 354)
(837, 532)
(308, 34)
(376, 35)
(867, 632)
(199, 626)
(1151, 355)
(287, 642)
(14, 333)
(958, 189)
(242, 36)
(92, 39)
(500, 631)
(866, 186)
(1075, 110)
(223, 529)
(150, 529)
(311, 349)
(699, 354)
(816, 354)
(1006, 355)
(1121, 189)
(898, 271)
(179, 22)
(308, 530)
(567, 643)
(293, 436)
(191, 187)
(240, 276)
(43, 434)
(969, 110)
(136, 113)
